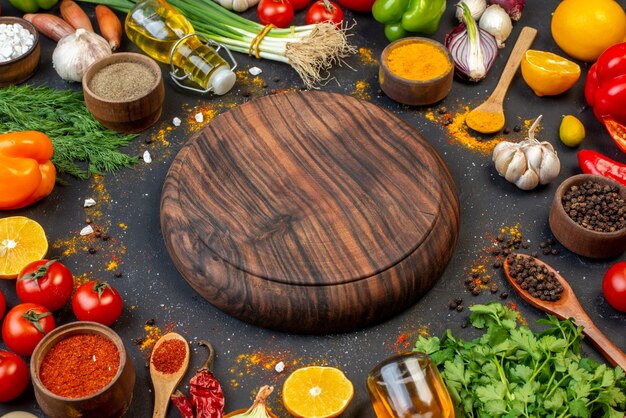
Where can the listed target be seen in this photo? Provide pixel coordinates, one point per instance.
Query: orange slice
(548, 74)
(317, 392)
(22, 241)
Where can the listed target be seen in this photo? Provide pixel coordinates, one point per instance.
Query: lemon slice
(317, 392)
(22, 241)
(548, 74)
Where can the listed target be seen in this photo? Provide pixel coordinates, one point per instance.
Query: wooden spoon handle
(161, 402)
(614, 355)
(525, 39)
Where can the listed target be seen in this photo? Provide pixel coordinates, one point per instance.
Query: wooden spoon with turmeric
(488, 118)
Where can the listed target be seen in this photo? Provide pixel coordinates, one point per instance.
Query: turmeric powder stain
(366, 58)
(362, 90)
(406, 340)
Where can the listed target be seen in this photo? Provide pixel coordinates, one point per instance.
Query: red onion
(473, 50)
(512, 7)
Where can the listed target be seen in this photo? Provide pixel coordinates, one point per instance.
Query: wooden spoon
(165, 383)
(493, 104)
(566, 307)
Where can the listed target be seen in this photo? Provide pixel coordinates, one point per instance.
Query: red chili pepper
(592, 162)
(605, 91)
(183, 405)
(206, 392)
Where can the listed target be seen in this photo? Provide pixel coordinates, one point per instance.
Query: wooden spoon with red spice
(168, 363)
(568, 306)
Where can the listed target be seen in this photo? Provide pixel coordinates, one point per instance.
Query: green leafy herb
(75, 134)
(511, 371)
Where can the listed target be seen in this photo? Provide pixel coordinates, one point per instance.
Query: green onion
(311, 50)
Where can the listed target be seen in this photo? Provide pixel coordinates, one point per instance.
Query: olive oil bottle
(167, 36)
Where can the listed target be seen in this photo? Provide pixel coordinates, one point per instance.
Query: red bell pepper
(605, 91)
(592, 162)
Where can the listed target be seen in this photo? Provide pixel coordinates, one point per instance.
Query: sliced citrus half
(317, 392)
(22, 241)
(548, 74)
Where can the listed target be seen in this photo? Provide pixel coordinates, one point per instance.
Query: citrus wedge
(317, 392)
(22, 241)
(548, 74)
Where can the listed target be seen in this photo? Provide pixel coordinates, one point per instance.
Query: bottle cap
(222, 80)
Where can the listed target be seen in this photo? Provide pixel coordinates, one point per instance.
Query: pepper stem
(209, 360)
(261, 397)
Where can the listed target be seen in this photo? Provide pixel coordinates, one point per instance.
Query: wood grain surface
(309, 212)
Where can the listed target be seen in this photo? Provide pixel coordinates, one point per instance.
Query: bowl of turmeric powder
(416, 71)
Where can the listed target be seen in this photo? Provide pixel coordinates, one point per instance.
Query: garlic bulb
(477, 7)
(237, 5)
(76, 52)
(497, 22)
(528, 163)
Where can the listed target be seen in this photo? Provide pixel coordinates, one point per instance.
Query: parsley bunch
(510, 371)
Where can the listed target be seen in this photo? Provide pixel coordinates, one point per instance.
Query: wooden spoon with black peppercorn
(566, 306)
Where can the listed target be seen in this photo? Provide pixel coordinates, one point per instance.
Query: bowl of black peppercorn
(588, 216)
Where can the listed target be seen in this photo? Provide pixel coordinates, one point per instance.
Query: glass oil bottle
(167, 36)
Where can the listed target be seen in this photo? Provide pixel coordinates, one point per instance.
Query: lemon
(585, 28)
(572, 131)
(22, 241)
(548, 74)
(317, 392)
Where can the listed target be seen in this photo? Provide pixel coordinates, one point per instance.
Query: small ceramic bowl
(414, 92)
(113, 400)
(23, 67)
(127, 116)
(578, 239)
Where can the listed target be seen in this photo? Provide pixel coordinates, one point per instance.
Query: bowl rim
(29, 27)
(578, 179)
(416, 39)
(88, 327)
(117, 58)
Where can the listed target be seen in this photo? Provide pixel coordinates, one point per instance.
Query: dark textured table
(128, 209)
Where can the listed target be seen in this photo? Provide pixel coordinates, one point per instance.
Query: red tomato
(614, 286)
(324, 11)
(357, 5)
(3, 305)
(299, 4)
(275, 12)
(13, 376)
(48, 283)
(97, 301)
(25, 325)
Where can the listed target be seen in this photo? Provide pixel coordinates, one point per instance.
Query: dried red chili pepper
(206, 392)
(592, 162)
(183, 405)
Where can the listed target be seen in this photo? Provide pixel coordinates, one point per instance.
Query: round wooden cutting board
(309, 212)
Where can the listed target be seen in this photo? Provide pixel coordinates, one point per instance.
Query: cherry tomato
(13, 376)
(25, 325)
(614, 286)
(48, 283)
(357, 5)
(299, 4)
(97, 301)
(324, 11)
(275, 12)
(3, 305)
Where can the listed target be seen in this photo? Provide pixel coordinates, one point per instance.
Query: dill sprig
(75, 134)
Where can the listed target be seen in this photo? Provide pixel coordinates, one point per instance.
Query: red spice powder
(169, 356)
(79, 365)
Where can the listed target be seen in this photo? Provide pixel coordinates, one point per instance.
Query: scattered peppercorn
(452, 305)
(554, 252)
(118, 274)
(88, 221)
(504, 295)
(105, 237)
(550, 241)
(459, 308)
(506, 131)
(92, 250)
(534, 254)
(465, 324)
(517, 128)
(500, 238)
(442, 110)
(497, 264)
(537, 280)
(97, 234)
(150, 322)
(148, 140)
(276, 79)
(458, 301)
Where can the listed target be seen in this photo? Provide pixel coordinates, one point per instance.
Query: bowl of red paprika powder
(82, 369)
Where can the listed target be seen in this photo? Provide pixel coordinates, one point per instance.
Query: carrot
(110, 26)
(50, 25)
(75, 16)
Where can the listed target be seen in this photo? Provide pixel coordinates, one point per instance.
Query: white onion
(497, 22)
(477, 7)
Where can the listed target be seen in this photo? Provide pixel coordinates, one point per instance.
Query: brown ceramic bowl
(111, 401)
(414, 92)
(126, 115)
(581, 240)
(21, 68)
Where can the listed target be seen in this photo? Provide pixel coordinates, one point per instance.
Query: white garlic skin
(76, 52)
(526, 164)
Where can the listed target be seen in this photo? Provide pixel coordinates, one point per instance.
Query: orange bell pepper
(26, 172)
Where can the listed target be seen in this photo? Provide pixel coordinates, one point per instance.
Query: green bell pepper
(31, 6)
(404, 16)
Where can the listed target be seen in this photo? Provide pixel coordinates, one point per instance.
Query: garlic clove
(550, 167)
(503, 160)
(517, 167)
(528, 181)
(501, 147)
(534, 155)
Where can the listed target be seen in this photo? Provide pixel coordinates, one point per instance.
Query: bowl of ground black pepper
(588, 216)
(125, 91)
(82, 367)
(20, 50)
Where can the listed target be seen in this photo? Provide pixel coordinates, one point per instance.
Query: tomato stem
(33, 317)
(99, 287)
(39, 273)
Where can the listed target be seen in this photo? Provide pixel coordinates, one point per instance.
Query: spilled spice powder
(365, 55)
(79, 365)
(361, 90)
(169, 356)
